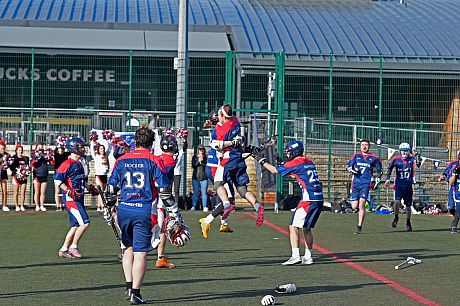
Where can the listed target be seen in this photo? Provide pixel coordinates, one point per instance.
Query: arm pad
(167, 197)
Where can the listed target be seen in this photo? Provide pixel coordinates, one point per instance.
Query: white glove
(217, 144)
(288, 288)
(237, 141)
(268, 300)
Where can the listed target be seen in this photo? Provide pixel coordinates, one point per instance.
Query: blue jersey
(304, 170)
(170, 163)
(450, 168)
(405, 170)
(138, 174)
(365, 165)
(232, 157)
(72, 174)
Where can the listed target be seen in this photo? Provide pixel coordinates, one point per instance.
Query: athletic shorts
(136, 229)
(237, 176)
(3, 175)
(306, 214)
(77, 213)
(101, 179)
(359, 192)
(18, 182)
(41, 179)
(405, 193)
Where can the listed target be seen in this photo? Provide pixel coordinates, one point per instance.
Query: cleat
(205, 227)
(453, 230)
(164, 263)
(137, 299)
(260, 216)
(65, 254)
(225, 229)
(227, 211)
(5, 208)
(408, 226)
(128, 294)
(307, 261)
(75, 252)
(395, 222)
(292, 261)
(358, 230)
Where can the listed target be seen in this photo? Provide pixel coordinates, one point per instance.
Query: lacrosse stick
(268, 143)
(410, 261)
(110, 221)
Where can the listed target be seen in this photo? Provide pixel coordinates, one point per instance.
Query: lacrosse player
(309, 208)
(405, 177)
(226, 138)
(138, 175)
(70, 177)
(211, 168)
(451, 204)
(361, 165)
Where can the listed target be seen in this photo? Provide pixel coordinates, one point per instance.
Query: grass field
(235, 268)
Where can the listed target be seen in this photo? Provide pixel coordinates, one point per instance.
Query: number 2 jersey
(304, 170)
(139, 174)
(365, 165)
(405, 170)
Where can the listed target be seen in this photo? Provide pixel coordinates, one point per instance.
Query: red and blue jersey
(365, 163)
(232, 157)
(450, 168)
(138, 174)
(304, 170)
(405, 170)
(170, 163)
(72, 174)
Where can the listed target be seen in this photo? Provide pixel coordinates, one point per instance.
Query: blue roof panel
(359, 27)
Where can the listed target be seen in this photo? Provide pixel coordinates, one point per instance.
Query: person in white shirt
(101, 167)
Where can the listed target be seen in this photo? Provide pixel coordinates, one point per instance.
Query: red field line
(406, 291)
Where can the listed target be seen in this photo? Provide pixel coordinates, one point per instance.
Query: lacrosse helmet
(214, 116)
(168, 143)
(404, 146)
(293, 149)
(75, 145)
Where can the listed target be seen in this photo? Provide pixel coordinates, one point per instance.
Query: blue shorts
(306, 214)
(77, 213)
(403, 192)
(136, 229)
(360, 192)
(236, 176)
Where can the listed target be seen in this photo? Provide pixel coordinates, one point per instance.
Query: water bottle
(276, 207)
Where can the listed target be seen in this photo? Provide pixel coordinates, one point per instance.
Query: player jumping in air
(405, 177)
(309, 208)
(361, 165)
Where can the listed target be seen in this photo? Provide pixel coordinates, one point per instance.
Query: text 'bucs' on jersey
(405, 170)
(232, 157)
(304, 170)
(138, 174)
(71, 173)
(365, 165)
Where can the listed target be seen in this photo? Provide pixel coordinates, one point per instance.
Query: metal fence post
(329, 145)
(380, 112)
(31, 136)
(130, 88)
(279, 81)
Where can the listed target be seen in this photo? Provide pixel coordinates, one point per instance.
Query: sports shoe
(205, 209)
(205, 227)
(408, 226)
(192, 209)
(453, 230)
(164, 263)
(137, 299)
(65, 254)
(292, 261)
(395, 222)
(225, 229)
(5, 208)
(75, 252)
(260, 215)
(227, 211)
(18, 209)
(128, 294)
(358, 230)
(37, 208)
(43, 208)
(22, 208)
(307, 261)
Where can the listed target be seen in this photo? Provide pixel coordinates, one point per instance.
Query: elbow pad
(166, 197)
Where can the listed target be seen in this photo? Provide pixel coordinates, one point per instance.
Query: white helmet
(404, 146)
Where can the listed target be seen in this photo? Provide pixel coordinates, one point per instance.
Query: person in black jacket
(199, 178)
(21, 170)
(4, 159)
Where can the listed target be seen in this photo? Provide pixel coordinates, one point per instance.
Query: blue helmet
(404, 146)
(294, 148)
(75, 145)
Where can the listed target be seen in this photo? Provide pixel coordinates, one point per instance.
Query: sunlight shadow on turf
(403, 230)
(64, 262)
(219, 296)
(220, 264)
(120, 286)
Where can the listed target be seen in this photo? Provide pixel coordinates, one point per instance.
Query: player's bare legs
(361, 204)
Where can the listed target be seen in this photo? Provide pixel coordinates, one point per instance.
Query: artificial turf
(236, 268)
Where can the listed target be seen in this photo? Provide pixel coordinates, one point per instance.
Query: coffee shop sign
(52, 74)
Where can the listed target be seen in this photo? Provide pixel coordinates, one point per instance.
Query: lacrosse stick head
(176, 231)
